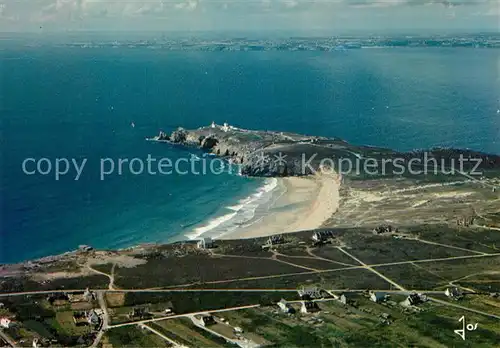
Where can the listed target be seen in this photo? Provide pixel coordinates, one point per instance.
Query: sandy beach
(301, 203)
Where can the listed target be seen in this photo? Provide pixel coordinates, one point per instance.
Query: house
(384, 229)
(93, 318)
(273, 240)
(322, 236)
(413, 299)
(309, 307)
(285, 306)
(169, 308)
(309, 293)
(453, 293)
(5, 322)
(205, 243)
(346, 298)
(88, 295)
(377, 297)
(76, 297)
(139, 312)
(205, 320)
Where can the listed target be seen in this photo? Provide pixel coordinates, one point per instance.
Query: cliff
(274, 154)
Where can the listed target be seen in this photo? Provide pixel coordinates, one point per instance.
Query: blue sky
(335, 16)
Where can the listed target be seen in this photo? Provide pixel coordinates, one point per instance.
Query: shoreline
(302, 203)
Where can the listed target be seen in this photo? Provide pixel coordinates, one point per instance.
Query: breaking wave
(237, 214)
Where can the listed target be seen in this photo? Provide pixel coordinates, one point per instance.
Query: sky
(335, 16)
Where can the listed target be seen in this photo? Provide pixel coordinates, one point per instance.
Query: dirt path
(172, 342)
(110, 276)
(372, 270)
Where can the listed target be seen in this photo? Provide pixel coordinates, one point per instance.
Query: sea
(101, 103)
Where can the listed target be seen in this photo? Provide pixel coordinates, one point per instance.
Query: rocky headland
(281, 154)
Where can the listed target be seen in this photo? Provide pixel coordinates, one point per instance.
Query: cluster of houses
(384, 229)
(62, 298)
(308, 297)
(465, 221)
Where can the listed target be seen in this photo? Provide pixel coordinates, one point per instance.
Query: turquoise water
(79, 103)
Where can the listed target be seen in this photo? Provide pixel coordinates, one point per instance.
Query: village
(314, 282)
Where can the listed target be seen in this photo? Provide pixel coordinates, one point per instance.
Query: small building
(76, 297)
(88, 295)
(309, 293)
(453, 292)
(5, 322)
(169, 308)
(139, 312)
(93, 318)
(285, 306)
(205, 320)
(273, 240)
(413, 300)
(322, 236)
(205, 243)
(377, 297)
(384, 229)
(309, 307)
(346, 298)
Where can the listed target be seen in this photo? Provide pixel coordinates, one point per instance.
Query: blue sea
(78, 103)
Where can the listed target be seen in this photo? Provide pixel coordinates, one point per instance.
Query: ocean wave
(240, 213)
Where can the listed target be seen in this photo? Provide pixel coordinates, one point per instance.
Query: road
(110, 276)
(172, 342)
(181, 287)
(372, 270)
(105, 318)
(7, 338)
(446, 246)
(183, 315)
(446, 303)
